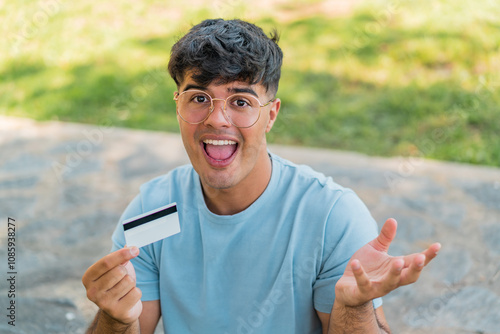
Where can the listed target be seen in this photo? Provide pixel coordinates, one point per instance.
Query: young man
(265, 246)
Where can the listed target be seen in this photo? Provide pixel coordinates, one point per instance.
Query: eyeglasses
(241, 110)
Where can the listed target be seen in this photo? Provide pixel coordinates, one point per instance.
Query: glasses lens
(193, 106)
(242, 109)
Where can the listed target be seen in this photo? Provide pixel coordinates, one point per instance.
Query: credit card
(152, 226)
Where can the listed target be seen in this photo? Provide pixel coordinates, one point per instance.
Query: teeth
(219, 142)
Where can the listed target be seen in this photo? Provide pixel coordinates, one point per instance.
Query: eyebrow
(190, 86)
(243, 90)
(230, 90)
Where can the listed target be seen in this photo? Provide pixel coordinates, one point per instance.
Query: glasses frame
(212, 107)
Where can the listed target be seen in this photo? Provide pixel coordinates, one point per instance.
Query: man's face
(244, 155)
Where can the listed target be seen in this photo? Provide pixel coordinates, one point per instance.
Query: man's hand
(372, 273)
(110, 284)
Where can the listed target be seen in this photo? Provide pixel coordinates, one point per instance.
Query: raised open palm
(372, 273)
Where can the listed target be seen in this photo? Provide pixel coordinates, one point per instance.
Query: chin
(219, 182)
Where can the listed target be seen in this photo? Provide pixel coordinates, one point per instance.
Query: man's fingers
(361, 277)
(107, 299)
(387, 234)
(123, 287)
(431, 252)
(124, 263)
(124, 308)
(392, 279)
(109, 262)
(131, 297)
(111, 278)
(131, 301)
(412, 273)
(116, 258)
(110, 284)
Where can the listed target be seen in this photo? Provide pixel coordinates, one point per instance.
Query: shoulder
(166, 188)
(306, 179)
(321, 193)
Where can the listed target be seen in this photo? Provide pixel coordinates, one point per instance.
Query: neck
(236, 199)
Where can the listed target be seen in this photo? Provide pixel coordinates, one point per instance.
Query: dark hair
(226, 51)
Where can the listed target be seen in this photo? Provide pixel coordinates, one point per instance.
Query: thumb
(387, 234)
(134, 251)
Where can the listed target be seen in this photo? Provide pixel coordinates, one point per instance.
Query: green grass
(400, 78)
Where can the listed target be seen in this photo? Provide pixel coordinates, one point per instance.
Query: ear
(273, 114)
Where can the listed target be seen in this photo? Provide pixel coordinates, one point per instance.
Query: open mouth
(220, 151)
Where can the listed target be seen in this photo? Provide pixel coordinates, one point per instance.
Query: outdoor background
(402, 79)
(388, 78)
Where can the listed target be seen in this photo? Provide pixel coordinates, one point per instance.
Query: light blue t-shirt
(263, 270)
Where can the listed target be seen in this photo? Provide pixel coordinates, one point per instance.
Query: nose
(217, 117)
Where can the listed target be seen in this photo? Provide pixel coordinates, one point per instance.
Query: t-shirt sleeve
(349, 227)
(144, 264)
